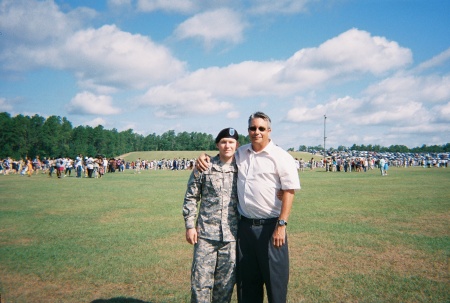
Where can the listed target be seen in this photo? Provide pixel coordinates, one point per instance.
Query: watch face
(281, 222)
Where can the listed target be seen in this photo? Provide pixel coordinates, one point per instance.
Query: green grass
(354, 237)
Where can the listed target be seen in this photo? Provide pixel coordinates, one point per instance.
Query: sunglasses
(254, 128)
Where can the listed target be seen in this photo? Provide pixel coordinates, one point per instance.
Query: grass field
(354, 237)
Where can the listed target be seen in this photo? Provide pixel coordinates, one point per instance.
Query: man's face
(227, 147)
(259, 131)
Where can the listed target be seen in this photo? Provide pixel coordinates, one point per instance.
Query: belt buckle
(257, 222)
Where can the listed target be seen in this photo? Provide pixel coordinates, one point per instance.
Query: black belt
(259, 221)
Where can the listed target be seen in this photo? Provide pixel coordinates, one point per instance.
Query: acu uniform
(213, 266)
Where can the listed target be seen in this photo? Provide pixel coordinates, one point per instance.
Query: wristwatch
(282, 222)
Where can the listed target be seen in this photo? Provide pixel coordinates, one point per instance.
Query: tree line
(24, 136)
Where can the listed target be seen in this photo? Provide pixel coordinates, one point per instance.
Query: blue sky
(379, 70)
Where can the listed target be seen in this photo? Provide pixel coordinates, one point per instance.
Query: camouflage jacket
(217, 215)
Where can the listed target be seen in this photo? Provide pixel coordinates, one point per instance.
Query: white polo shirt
(260, 176)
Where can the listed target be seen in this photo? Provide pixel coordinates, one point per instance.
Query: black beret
(227, 133)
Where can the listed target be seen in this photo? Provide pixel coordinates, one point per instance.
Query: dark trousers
(260, 263)
(79, 171)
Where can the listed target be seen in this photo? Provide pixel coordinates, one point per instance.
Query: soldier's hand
(191, 236)
(202, 162)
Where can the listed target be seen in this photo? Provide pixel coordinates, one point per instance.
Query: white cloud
(103, 57)
(109, 56)
(233, 115)
(211, 27)
(307, 69)
(350, 53)
(279, 6)
(420, 129)
(336, 60)
(259, 7)
(404, 88)
(171, 103)
(96, 122)
(410, 113)
(92, 85)
(406, 101)
(389, 112)
(344, 107)
(130, 125)
(32, 32)
(182, 6)
(304, 114)
(119, 3)
(442, 112)
(4, 106)
(244, 79)
(435, 61)
(44, 21)
(88, 103)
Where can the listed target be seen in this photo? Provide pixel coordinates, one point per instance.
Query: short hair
(259, 115)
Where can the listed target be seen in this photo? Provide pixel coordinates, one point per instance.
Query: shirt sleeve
(288, 173)
(191, 199)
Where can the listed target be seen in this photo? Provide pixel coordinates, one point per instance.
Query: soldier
(214, 233)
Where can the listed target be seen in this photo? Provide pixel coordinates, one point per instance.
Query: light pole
(324, 135)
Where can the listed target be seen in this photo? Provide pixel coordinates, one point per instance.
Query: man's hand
(191, 236)
(279, 236)
(280, 194)
(202, 162)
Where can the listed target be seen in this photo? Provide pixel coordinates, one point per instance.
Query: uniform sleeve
(191, 199)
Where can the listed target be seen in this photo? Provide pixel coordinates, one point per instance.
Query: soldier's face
(227, 147)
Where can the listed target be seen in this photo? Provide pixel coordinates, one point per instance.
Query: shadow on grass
(120, 300)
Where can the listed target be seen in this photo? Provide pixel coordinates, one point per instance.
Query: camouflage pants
(213, 271)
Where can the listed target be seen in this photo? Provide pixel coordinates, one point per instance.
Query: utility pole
(324, 135)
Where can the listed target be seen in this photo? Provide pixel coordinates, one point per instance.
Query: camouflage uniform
(213, 267)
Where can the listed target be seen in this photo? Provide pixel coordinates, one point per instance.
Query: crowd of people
(89, 167)
(344, 163)
(60, 166)
(338, 164)
(170, 164)
(96, 167)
